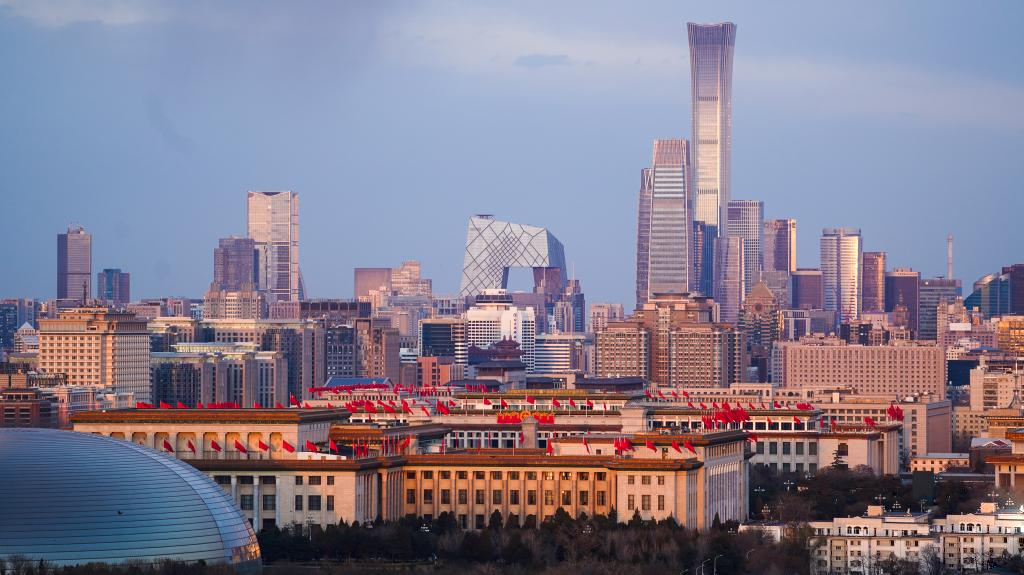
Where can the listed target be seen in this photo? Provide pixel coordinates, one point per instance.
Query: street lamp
(788, 483)
(714, 565)
(702, 563)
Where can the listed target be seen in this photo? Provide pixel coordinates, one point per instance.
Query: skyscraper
(745, 220)
(74, 264)
(703, 275)
(731, 270)
(666, 224)
(841, 271)
(643, 237)
(494, 246)
(273, 223)
(779, 247)
(873, 277)
(932, 292)
(234, 263)
(114, 287)
(806, 289)
(901, 296)
(711, 48)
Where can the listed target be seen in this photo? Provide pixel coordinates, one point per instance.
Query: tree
(837, 460)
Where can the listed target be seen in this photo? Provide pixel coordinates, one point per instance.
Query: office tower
(955, 324)
(902, 286)
(949, 256)
(902, 370)
(243, 303)
(807, 289)
(443, 337)
(999, 293)
(234, 263)
(873, 282)
(114, 287)
(494, 246)
(841, 271)
(8, 325)
(560, 353)
(1010, 334)
(731, 270)
(495, 318)
(932, 293)
(273, 223)
(745, 220)
(217, 373)
(574, 298)
(643, 237)
(340, 351)
(760, 321)
(666, 261)
(779, 245)
(406, 280)
(377, 349)
(711, 48)
(673, 340)
(74, 264)
(603, 313)
(97, 346)
(366, 280)
(703, 273)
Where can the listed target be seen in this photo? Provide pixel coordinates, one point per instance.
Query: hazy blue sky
(147, 123)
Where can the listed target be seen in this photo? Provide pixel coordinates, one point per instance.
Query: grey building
(74, 264)
(494, 246)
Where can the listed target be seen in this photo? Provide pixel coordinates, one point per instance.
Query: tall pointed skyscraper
(711, 48)
(663, 223)
(273, 223)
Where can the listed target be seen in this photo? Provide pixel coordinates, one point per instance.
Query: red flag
(674, 394)
(182, 405)
(143, 405)
(214, 445)
(504, 404)
(590, 404)
(167, 446)
(200, 405)
(240, 447)
(660, 394)
(650, 445)
(287, 446)
(165, 405)
(686, 393)
(776, 404)
(425, 412)
(769, 422)
(256, 405)
(752, 438)
(405, 407)
(702, 406)
(796, 420)
(370, 407)
(530, 400)
(647, 392)
(869, 421)
(443, 409)
(307, 406)
(585, 444)
(551, 448)
(572, 403)
(329, 406)
(278, 405)
(293, 401)
(556, 403)
(522, 438)
(689, 404)
(689, 446)
(675, 445)
(751, 405)
(405, 443)
(310, 446)
(487, 401)
(262, 446)
(192, 447)
(331, 446)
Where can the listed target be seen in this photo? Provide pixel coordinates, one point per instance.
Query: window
(478, 475)
(269, 503)
(428, 474)
(631, 480)
(549, 497)
(531, 497)
(463, 524)
(566, 497)
(786, 448)
(531, 475)
(461, 474)
(773, 448)
(267, 480)
(631, 502)
(446, 474)
(601, 498)
(446, 496)
(314, 503)
(566, 475)
(584, 498)
(812, 448)
(298, 480)
(463, 497)
(645, 480)
(428, 495)
(513, 497)
(314, 480)
(661, 503)
(549, 475)
(645, 502)
(410, 496)
(245, 502)
(495, 497)
(330, 503)
(479, 496)
(479, 521)
(496, 475)
(583, 476)
(245, 479)
(799, 447)
(760, 448)
(226, 480)
(298, 503)
(600, 476)
(330, 480)
(410, 475)
(661, 480)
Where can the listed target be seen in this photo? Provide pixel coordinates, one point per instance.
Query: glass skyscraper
(494, 246)
(711, 48)
(745, 220)
(663, 227)
(841, 251)
(779, 246)
(273, 223)
(74, 264)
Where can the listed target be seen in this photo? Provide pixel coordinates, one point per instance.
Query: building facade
(664, 227)
(745, 220)
(841, 266)
(74, 265)
(273, 224)
(779, 245)
(234, 263)
(494, 246)
(873, 281)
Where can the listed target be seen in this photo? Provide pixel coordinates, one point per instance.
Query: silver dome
(71, 498)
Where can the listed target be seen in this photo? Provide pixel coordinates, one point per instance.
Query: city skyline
(602, 241)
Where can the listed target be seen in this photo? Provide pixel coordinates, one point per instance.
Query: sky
(147, 122)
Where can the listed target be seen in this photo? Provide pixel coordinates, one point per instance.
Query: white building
(495, 318)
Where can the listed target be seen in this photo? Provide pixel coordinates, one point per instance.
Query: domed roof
(72, 498)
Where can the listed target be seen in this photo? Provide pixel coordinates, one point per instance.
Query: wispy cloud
(57, 13)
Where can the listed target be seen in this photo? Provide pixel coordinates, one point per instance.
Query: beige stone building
(939, 462)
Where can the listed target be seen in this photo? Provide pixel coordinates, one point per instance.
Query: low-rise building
(939, 462)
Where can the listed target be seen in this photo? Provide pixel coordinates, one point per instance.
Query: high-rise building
(560, 353)
(841, 271)
(603, 313)
(745, 220)
(273, 223)
(643, 237)
(114, 287)
(1010, 334)
(932, 293)
(406, 280)
(8, 325)
(779, 245)
(703, 275)
(366, 280)
(219, 372)
(234, 263)
(666, 262)
(806, 289)
(873, 282)
(999, 293)
(97, 346)
(340, 351)
(443, 337)
(902, 286)
(731, 270)
(495, 318)
(760, 321)
(74, 264)
(711, 48)
(377, 349)
(243, 303)
(494, 246)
